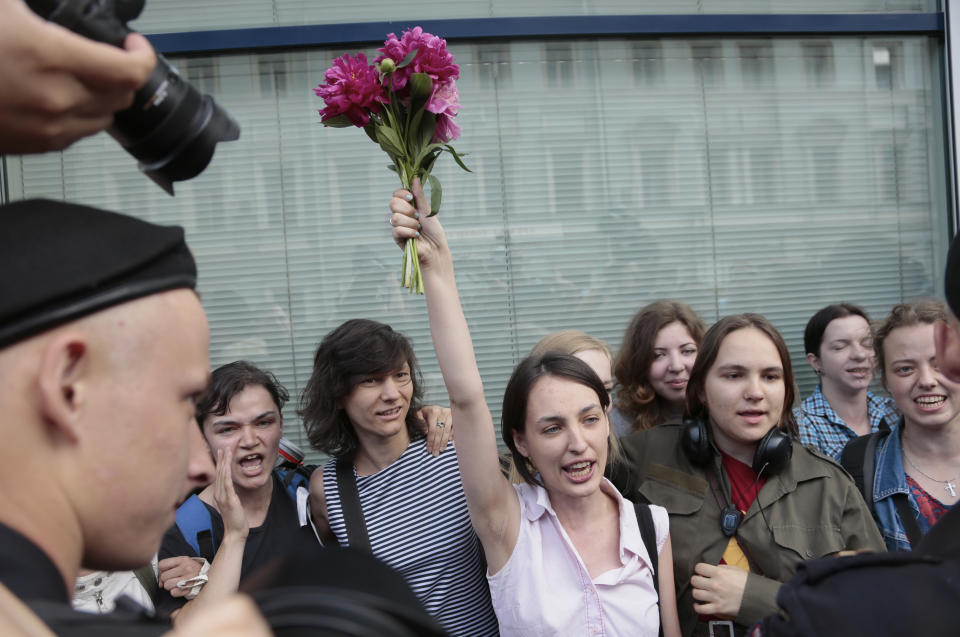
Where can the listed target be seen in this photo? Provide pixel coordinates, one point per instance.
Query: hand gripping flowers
(406, 102)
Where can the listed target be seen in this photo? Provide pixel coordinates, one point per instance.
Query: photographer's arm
(57, 86)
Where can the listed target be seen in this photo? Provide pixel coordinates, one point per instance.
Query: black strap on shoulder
(910, 525)
(148, 579)
(858, 458)
(205, 540)
(648, 533)
(350, 503)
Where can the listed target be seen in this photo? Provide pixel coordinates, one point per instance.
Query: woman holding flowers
(564, 550)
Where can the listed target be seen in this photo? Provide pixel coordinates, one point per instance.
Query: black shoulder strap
(910, 525)
(350, 503)
(648, 533)
(148, 579)
(858, 459)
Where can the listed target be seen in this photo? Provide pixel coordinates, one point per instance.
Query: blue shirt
(825, 431)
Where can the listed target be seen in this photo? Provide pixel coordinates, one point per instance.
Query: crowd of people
(677, 488)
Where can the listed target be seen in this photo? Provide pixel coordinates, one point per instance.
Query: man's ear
(814, 361)
(947, 338)
(62, 382)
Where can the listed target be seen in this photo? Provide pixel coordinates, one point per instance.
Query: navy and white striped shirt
(417, 521)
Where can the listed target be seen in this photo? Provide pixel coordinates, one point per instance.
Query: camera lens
(171, 128)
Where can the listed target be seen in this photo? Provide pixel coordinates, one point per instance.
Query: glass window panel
(744, 180)
(166, 16)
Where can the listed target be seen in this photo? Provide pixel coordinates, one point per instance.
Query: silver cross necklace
(949, 484)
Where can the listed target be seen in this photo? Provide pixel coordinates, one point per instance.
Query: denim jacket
(890, 478)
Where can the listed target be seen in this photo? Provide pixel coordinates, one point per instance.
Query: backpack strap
(292, 478)
(196, 526)
(858, 458)
(648, 533)
(910, 525)
(350, 504)
(148, 579)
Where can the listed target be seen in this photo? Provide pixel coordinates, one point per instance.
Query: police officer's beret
(951, 279)
(61, 261)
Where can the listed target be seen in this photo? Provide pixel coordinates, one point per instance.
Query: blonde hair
(572, 342)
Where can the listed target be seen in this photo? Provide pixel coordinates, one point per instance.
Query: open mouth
(752, 416)
(393, 412)
(929, 402)
(251, 464)
(579, 471)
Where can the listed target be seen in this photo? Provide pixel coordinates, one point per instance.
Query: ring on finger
(440, 424)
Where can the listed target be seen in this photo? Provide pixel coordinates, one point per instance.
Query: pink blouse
(544, 588)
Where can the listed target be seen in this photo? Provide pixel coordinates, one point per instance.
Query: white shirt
(545, 589)
(98, 592)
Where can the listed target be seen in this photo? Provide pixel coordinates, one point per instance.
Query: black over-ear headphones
(772, 455)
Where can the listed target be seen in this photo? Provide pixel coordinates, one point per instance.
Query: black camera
(171, 128)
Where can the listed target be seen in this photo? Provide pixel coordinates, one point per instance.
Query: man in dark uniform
(103, 350)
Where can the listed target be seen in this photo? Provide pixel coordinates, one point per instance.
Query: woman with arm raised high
(564, 550)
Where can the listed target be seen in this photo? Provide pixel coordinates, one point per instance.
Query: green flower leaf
(407, 60)
(421, 87)
(427, 128)
(457, 157)
(389, 141)
(436, 194)
(423, 155)
(340, 121)
(371, 131)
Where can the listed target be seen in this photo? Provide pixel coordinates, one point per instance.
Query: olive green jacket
(812, 509)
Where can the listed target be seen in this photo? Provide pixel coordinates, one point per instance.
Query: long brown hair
(697, 408)
(636, 397)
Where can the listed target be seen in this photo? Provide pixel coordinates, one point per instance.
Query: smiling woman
(747, 503)
(916, 476)
(839, 346)
(383, 491)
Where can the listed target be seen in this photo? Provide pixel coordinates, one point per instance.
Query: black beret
(61, 261)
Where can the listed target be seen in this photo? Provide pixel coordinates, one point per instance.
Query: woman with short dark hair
(383, 491)
(839, 348)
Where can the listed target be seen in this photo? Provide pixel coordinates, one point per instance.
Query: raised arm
(494, 507)
(224, 575)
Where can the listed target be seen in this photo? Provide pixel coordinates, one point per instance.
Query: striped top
(417, 520)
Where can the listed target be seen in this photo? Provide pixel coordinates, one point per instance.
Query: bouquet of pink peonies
(406, 102)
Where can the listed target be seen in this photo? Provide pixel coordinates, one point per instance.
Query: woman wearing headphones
(747, 502)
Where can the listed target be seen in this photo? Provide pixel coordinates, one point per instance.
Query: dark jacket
(811, 509)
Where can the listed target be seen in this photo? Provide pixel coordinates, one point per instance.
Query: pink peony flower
(447, 130)
(432, 57)
(445, 102)
(352, 89)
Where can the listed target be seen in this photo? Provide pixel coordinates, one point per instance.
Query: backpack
(648, 532)
(858, 459)
(196, 526)
(902, 593)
